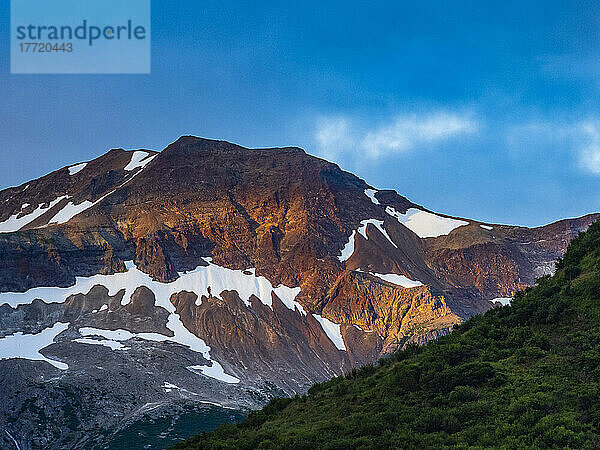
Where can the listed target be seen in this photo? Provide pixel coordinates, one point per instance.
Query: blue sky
(487, 110)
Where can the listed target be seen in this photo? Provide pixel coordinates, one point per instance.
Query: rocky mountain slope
(211, 274)
(521, 376)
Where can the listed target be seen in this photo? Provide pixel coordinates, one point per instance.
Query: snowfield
(394, 278)
(113, 345)
(201, 280)
(28, 346)
(113, 339)
(139, 158)
(215, 371)
(13, 224)
(425, 224)
(502, 301)
(332, 330)
(371, 194)
(379, 225)
(77, 168)
(348, 249)
(70, 210)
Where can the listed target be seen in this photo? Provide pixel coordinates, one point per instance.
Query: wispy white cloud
(333, 136)
(337, 136)
(408, 132)
(589, 148)
(578, 142)
(351, 141)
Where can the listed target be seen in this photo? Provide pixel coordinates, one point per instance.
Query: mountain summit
(212, 274)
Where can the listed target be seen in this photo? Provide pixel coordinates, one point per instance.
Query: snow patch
(502, 301)
(215, 371)
(246, 283)
(121, 335)
(139, 159)
(193, 342)
(486, 227)
(394, 278)
(378, 224)
(425, 224)
(371, 194)
(113, 345)
(14, 224)
(199, 281)
(70, 210)
(332, 330)
(168, 387)
(362, 229)
(77, 168)
(103, 307)
(182, 336)
(28, 346)
(348, 248)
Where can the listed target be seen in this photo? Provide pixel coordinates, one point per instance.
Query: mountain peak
(193, 145)
(289, 269)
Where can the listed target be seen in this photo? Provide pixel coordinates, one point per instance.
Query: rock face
(213, 273)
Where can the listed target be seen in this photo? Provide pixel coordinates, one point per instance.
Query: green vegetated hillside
(525, 375)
